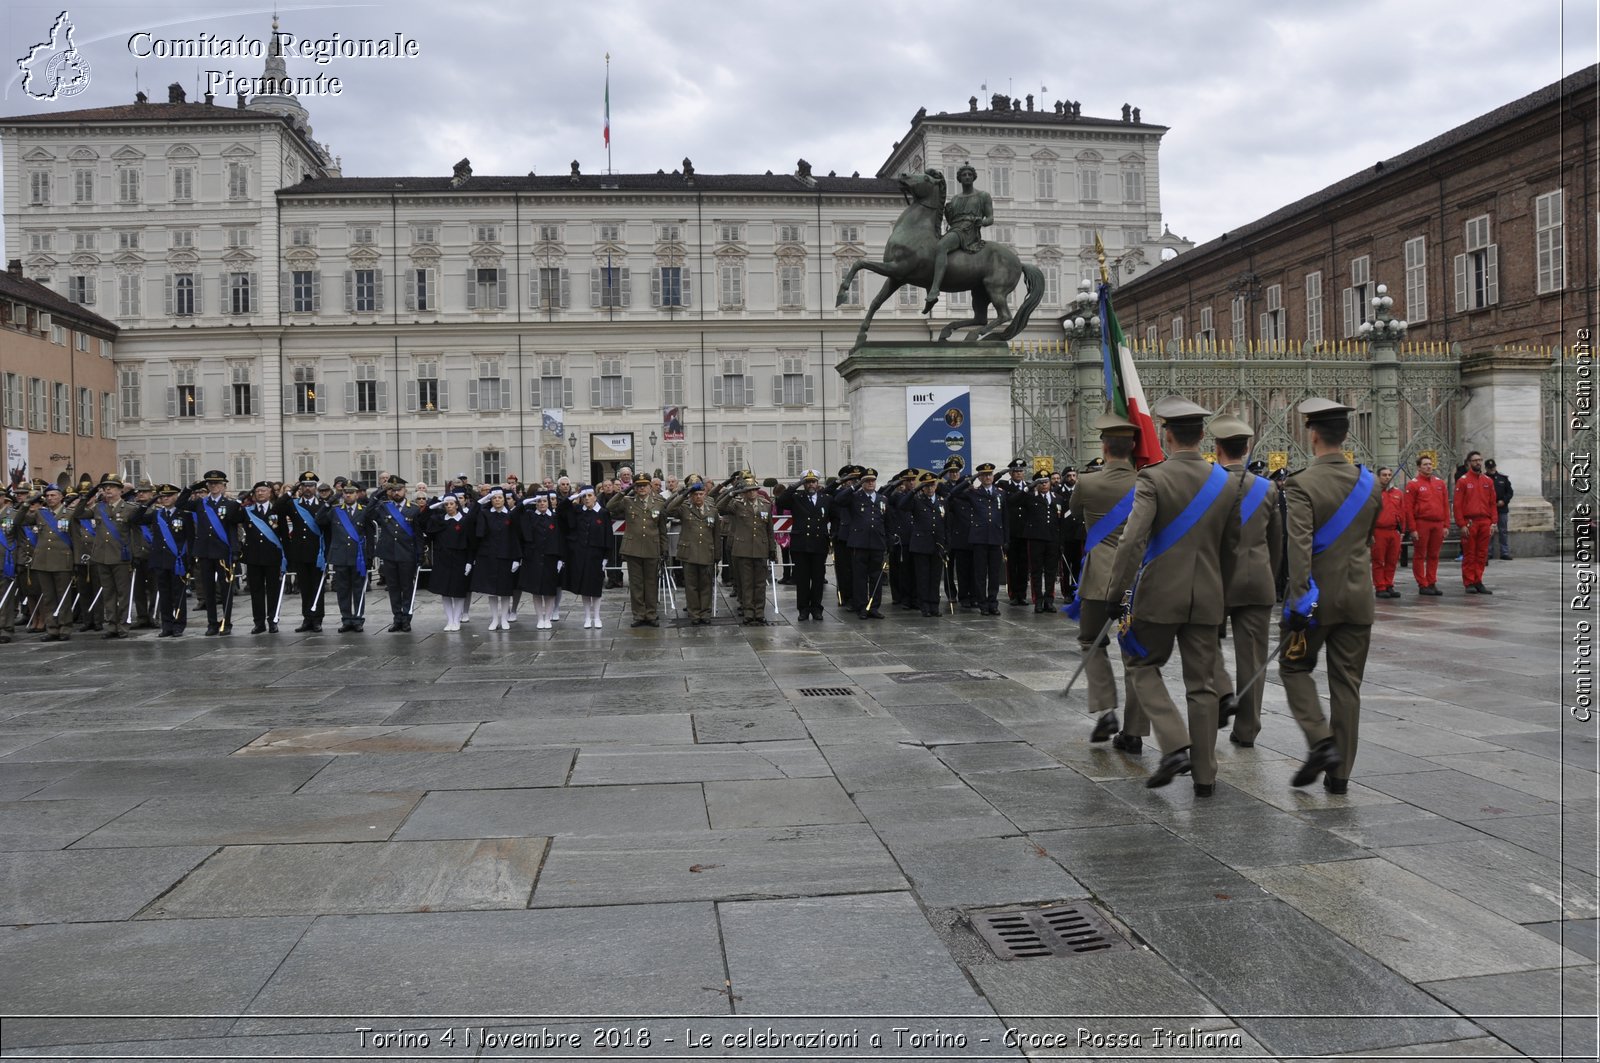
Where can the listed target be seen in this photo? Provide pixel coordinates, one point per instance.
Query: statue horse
(990, 274)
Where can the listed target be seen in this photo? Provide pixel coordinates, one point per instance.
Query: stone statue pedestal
(1502, 419)
(877, 376)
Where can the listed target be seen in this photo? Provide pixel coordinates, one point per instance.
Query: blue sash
(1113, 519)
(350, 530)
(87, 524)
(1168, 537)
(53, 522)
(171, 544)
(30, 534)
(1329, 533)
(216, 523)
(111, 526)
(310, 522)
(400, 519)
(8, 569)
(149, 538)
(1252, 499)
(266, 529)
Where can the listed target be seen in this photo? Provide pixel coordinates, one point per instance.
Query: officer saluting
(305, 545)
(111, 550)
(398, 549)
(982, 505)
(867, 509)
(925, 540)
(172, 533)
(808, 542)
(697, 546)
(215, 517)
(1333, 507)
(749, 520)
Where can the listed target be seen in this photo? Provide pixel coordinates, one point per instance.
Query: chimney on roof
(972, 103)
(688, 171)
(140, 97)
(461, 173)
(14, 267)
(241, 101)
(175, 93)
(576, 173)
(211, 99)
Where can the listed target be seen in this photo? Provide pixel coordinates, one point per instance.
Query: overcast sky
(1266, 101)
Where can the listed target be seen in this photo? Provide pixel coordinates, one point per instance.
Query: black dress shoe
(1105, 725)
(316, 629)
(1472, 588)
(346, 627)
(1324, 756)
(1236, 740)
(1227, 708)
(640, 623)
(1205, 789)
(817, 615)
(873, 614)
(211, 631)
(258, 629)
(272, 629)
(1172, 765)
(1127, 743)
(1335, 786)
(1482, 589)
(303, 628)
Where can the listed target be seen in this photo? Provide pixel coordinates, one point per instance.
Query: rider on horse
(967, 213)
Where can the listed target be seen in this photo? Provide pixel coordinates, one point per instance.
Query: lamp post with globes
(1383, 335)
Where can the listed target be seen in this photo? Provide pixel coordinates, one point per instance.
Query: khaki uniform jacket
(697, 529)
(749, 525)
(11, 525)
(1094, 496)
(103, 548)
(51, 554)
(1344, 570)
(1183, 585)
(646, 533)
(1250, 574)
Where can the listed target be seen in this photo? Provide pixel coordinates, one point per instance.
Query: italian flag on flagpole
(1124, 393)
(608, 101)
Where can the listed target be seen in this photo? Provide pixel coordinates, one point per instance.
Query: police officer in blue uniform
(808, 541)
(394, 521)
(868, 510)
(982, 507)
(216, 519)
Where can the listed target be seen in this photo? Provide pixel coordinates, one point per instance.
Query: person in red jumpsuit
(1477, 514)
(1426, 515)
(1386, 535)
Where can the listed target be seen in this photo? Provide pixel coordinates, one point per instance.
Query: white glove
(560, 565)
(468, 570)
(437, 505)
(529, 501)
(515, 565)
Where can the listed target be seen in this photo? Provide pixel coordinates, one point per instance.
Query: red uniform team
(1423, 511)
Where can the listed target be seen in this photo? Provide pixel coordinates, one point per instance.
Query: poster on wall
(611, 446)
(938, 424)
(16, 456)
(671, 424)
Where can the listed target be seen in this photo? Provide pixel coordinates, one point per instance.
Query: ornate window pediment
(1002, 152)
(128, 261)
(84, 260)
(485, 260)
(182, 151)
(237, 151)
(1089, 156)
(38, 264)
(38, 155)
(955, 151)
(1132, 159)
(427, 259)
(238, 258)
(300, 258)
(127, 153)
(364, 258)
(83, 154)
(184, 258)
(1045, 155)
(1048, 254)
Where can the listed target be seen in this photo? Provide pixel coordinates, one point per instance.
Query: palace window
(549, 288)
(609, 286)
(1416, 252)
(1274, 322)
(791, 385)
(183, 294)
(669, 286)
(428, 393)
(609, 389)
(1549, 242)
(366, 393)
(486, 289)
(128, 285)
(305, 291)
(129, 390)
(420, 285)
(363, 290)
(241, 392)
(183, 184)
(488, 392)
(80, 289)
(238, 180)
(83, 186)
(733, 386)
(241, 292)
(129, 182)
(184, 398)
(1314, 307)
(303, 391)
(39, 188)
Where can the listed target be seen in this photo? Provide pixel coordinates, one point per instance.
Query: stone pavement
(636, 843)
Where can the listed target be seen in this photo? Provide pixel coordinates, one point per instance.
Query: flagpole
(1100, 253)
(608, 112)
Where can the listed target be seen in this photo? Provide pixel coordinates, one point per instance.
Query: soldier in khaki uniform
(53, 561)
(644, 544)
(697, 546)
(1337, 612)
(1104, 497)
(144, 580)
(1170, 556)
(11, 564)
(110, 550)
(749, 520)
(1249, 579)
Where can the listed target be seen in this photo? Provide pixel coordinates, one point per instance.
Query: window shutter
(500, 289)
(594, 392)
(477, 467)
(430, 277)
(172, 402)
(655, 286)
(255, 399)
(285, 291)
(594, 287)
(349, 291)
(566, 290)
(472, 394)
(472, 293)
(1348, 302)
(383, 396)
(566, 393)
(288, 399)
(226, 306)
(350, 397)
(627, 391)
(684, 280)
(1492, 274)
(88, 298)
(254, 292)
(777, 389)
(1265, 327)
(811, 389)
(166, 288)
(411, 289)
(1461, 283)
(533, 288)
(411, 395)
(627, 297)
(444, 395)
(377, 293)
(749, 391)
(505, 394)
(199, 401)
(716, 391)
(535, 400)
(316, 292)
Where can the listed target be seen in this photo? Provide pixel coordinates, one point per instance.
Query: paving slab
(715, 865)
(1574, 745)
(1266, 959)
(468, 770)
(193, 967)
(357, 878)
(605, 765)
(1527, 1010)
(1051, 799)
(255, 820)
(751, 725)
(322, 714)
(674, 728)
(778, 803)
(1579, 935)
(1522, 886)
(1235, 828)
(938, 725)
(348, 741)
(56, 824)
(985, 757)
(1144, 866)
(135, 745)
(548, 811)
(967, 872)
(71, 886)
(1421, 930)
(868, 766)
(171, 777)
(932, 813)
(1566, 837)
(1378, 826)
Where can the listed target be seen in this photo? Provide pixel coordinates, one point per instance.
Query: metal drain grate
(826, 692)
(1065, 930)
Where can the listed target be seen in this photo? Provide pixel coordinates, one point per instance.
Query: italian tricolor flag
(1124, 393)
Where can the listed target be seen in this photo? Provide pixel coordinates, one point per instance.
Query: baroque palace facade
(277, 316)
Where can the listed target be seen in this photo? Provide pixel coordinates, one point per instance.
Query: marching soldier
(808, 542)
(265, 562)
(644, 547)
(393, 521)
(215, 517)
(171, 539)
(1333, 507)
(924, 524)
(867, 510)
(53, 561)
(1169, 565)
(749, 520)
(843, 568)
(1249, 579)
(110, 550)
(982, 506)
(1015, 487)
(697, 546)
(345, 529)
(11, 568)
(305, 547)
(1105, 498)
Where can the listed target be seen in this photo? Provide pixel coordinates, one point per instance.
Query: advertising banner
(616, 446)
(16, 456)
(937, 426)
(672, 424)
